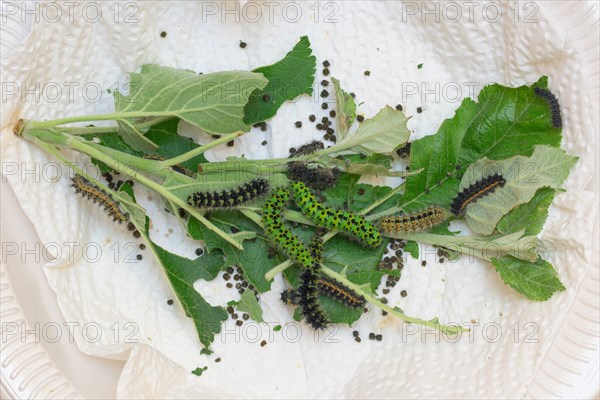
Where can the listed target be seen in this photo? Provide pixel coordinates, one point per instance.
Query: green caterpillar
(355, 225)
(273, 223)
(310, 259)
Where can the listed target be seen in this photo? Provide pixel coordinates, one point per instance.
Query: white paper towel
(387, 38)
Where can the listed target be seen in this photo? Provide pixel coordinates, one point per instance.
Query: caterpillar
(413, 222)
(230, 198)
(290, 297)
(553, 103)
(330, 288)
(355, 225)
(318, 178)
(404, 150)
(97, 195)
(307, 149)
(308, 299)
(177, 168)
(476, 191)
(335, 290)
(283, 236)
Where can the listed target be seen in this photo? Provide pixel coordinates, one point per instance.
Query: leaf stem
(77, 144)
(84, 130)
(382, 200)
(446, 329)
(473, 246)
(201, 149)
(84, 118)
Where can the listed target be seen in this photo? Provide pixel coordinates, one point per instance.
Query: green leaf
(288, 78)
(198, 371)
(547, 167)
(354, 196)
(249, 304)
(535, 280)
(111, 140)
(253, 259)
(171, 144)
(182, 273)
(359, 263)
(504, 123)
(346, 109)
(530, 216)
(412, 248)
(514, 244)
(132, 135)
(379, 135)
(212, 102)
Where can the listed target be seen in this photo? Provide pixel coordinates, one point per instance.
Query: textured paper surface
(375, 36)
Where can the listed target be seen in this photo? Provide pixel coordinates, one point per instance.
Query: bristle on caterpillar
(97, 195)
(552, 103)
(474, 192)
(355, 225)
(230, 198)
(413, 222)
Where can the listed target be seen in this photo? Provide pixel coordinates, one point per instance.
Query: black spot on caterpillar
(308, 299)
(475, 191)
(97, 195)
(416, 221)
(177, 168)
(553, 103)
(230, 198)
(330, 288)
(318, 178)
(355, 225)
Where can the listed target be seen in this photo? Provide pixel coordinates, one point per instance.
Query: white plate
(33, 367)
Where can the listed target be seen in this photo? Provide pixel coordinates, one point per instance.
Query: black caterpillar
(553, 103)
(308, 299)
(476, 191)
(308, 148)
(230, 198)
(318, 178)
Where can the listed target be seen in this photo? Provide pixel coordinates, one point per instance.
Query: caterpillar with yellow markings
(92, 192)
(413, 222)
